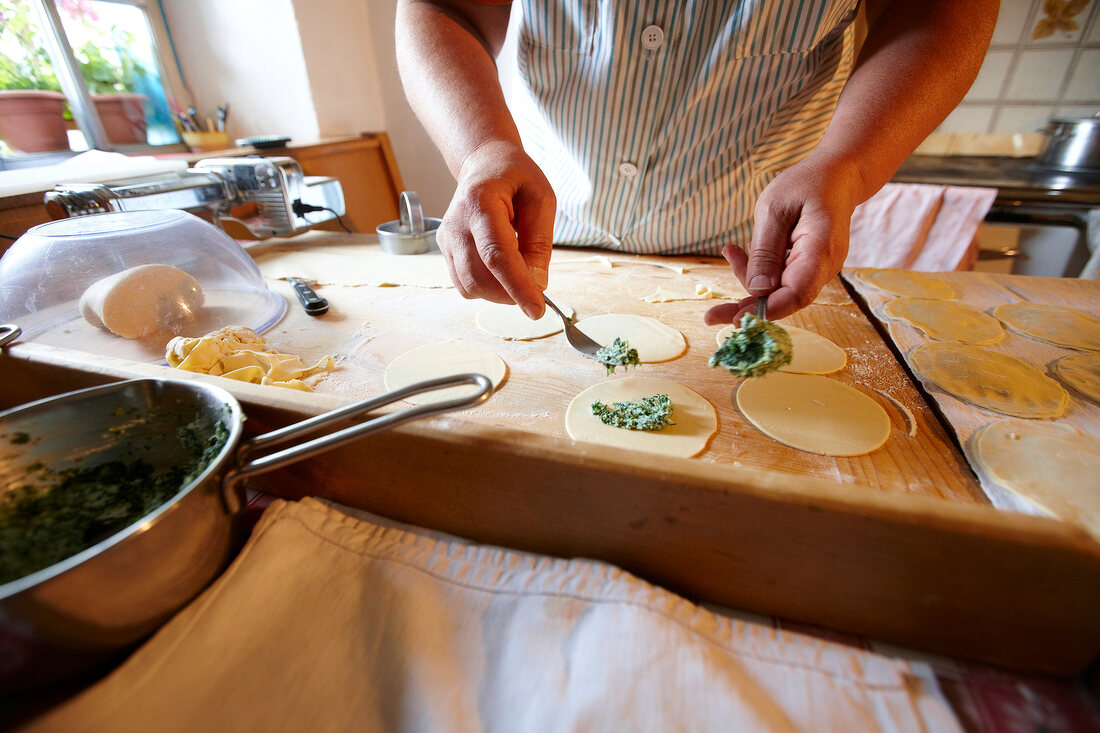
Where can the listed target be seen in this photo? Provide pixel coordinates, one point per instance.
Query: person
(749, 129)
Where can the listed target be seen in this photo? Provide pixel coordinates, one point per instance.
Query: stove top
(1017, 179)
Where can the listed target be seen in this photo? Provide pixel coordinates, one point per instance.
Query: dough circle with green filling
(811, 353)
(654, 340)
(694, 419)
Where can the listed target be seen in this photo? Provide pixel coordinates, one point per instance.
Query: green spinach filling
(758, 348)
(617, 354)
(647, 413)
(74, 508)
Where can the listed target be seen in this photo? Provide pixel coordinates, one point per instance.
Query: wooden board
(367, 327)
(985, 291)
(843, 545)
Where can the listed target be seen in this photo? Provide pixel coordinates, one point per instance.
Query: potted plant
(32, 107)
(113, 86)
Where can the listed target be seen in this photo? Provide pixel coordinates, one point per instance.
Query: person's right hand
(497, 233)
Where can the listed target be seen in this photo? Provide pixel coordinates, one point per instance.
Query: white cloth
(335, 620)
(918, 226)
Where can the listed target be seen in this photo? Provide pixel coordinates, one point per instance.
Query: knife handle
(314, 304)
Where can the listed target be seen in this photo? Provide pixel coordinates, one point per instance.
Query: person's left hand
(799, 239)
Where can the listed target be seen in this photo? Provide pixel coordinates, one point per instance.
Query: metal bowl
(86, 608)
(1072, 145)
(79, 611)
(413, 233)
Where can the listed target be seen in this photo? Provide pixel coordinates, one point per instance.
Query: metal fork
(576, 337)
(762, 307)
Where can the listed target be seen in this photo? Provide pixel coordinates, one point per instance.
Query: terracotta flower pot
(31, 120)
(123, 117)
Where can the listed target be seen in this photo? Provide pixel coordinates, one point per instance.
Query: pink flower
(83, 9)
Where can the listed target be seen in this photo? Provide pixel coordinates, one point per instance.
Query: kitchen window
(85, 74)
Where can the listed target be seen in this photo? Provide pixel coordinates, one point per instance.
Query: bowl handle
(246, 466)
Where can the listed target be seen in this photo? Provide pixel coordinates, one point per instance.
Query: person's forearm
(917, 63)
(445, 55)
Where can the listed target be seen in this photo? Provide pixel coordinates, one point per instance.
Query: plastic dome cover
(156, 275)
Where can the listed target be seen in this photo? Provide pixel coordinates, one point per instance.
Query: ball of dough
(142, 300)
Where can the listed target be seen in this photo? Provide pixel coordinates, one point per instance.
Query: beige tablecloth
(336, 620)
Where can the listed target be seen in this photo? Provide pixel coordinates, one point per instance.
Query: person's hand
(799, 240)
(497, 233)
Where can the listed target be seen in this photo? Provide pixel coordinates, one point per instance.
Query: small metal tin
(413, 233)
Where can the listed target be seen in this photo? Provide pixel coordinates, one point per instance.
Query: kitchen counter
(1017, 179)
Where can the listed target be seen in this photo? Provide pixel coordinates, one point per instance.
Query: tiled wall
(1043, 62)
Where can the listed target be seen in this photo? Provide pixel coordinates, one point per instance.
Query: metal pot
(75, 614)
(1072, 145)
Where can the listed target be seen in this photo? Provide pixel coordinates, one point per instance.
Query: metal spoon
(762, 307)
(576, 338)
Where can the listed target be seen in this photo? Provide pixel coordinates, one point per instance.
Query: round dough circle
(946, 320)
(813, 413)
(509, 322)
(1051, 464)
(654, 340)
(1082, 372)
(1055, 324)
(695, 419)
(444, 359)
(905, 282)
(811, 353)
(989, 379)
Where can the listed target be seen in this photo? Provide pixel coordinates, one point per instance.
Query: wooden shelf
(364, 165)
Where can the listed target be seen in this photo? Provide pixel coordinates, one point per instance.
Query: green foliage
(101, 73)
(97, 59)
(32, 69)
(60, 513)
(648, 413)
(758, 348)
(618, 353)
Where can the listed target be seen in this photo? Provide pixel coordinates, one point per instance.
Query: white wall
(422, 167)
(247, 53)
(1034, 71)
(336, 39)
(309, 69)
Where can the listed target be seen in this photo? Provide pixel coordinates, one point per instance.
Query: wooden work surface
(867, 545)
(367, 327)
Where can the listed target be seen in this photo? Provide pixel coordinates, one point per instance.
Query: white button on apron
(628, 170)
(653, 37)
